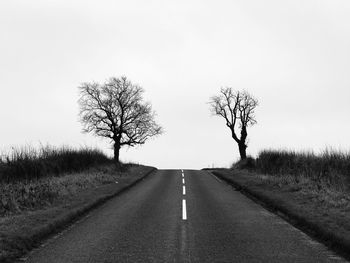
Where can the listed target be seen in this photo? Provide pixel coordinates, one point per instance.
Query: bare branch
(116, 110)
(235, 107)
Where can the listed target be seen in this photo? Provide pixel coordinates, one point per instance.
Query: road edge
(340, 246)
(61, 222)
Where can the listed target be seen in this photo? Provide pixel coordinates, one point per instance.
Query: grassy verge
(28, 162)
(53, 202)
(328, 169)
(323, 212)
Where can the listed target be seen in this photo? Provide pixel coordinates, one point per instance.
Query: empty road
(175, 216)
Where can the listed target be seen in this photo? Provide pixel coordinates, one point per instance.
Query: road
(149, 223)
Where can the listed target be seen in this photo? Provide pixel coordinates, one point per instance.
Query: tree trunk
(116, 152)
(242, 150)
(241, 143)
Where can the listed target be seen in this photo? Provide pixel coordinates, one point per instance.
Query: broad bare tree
(237, 108)
(116, 110)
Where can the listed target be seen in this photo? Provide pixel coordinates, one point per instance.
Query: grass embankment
(311, 191)
(27, 163)
(36, 205)
(328, 170)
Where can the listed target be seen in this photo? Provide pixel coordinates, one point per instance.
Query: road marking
(184, 210)
(216, 178)
(183, 180)
(183, 190)
(183, 175)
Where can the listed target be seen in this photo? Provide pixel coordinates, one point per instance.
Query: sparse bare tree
(116, 110)
(237, 108)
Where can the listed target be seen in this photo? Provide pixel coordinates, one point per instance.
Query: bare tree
(237, 108)
(116, 110)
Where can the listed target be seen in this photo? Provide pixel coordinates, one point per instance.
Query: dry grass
(330, 195)
(329, 169)
(325, 177)
(28, 162)
(19, 196)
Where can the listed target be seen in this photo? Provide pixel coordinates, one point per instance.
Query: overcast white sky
(294, 56)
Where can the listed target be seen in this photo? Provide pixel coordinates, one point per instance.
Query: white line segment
(183, 180)
(184, 211)
(217, 179)
(183, 190)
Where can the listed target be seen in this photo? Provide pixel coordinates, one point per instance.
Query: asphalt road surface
(170, 217)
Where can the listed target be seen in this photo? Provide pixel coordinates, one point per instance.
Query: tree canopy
(116, 110)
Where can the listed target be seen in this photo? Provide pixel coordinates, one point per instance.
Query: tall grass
(330, 166)
(18, 196)
(26, 163)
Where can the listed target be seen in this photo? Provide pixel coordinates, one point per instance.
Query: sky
(293, 56)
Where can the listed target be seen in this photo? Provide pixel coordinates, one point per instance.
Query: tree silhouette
(237, 108)
(116, 110)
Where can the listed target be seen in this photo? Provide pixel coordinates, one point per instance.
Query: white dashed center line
(184, 208)
(184, 211)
